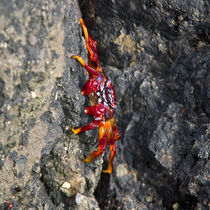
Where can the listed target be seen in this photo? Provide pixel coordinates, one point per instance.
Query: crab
(102, 102)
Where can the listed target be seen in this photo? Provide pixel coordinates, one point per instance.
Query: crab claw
(95, 110)
(90, 86)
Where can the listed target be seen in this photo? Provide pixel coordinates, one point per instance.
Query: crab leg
(92, 71)
(113, 150)
(91, 126)
(90, 43)
(102, 144)
(112, 147)
(115, 129)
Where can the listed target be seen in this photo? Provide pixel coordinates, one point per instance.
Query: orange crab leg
(102, 144)
(112, 147)
(84, 64)
(90, 43)
(115, 129)
(113, 150)
(91, 126)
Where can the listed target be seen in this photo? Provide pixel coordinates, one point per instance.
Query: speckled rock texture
(157, 55)
(40, 160)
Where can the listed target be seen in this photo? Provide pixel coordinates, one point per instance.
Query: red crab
(102, 100)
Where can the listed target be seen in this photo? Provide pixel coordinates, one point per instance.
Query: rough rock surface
(40, 164)
(157, 55)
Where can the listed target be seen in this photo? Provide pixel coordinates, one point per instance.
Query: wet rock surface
(157, 55)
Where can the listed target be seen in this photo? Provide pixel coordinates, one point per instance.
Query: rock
(66, 185)
(84, 202)
(37, 104)
(157, 55)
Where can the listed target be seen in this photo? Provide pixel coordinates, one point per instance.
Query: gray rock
(40, 101)
(157, 55)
